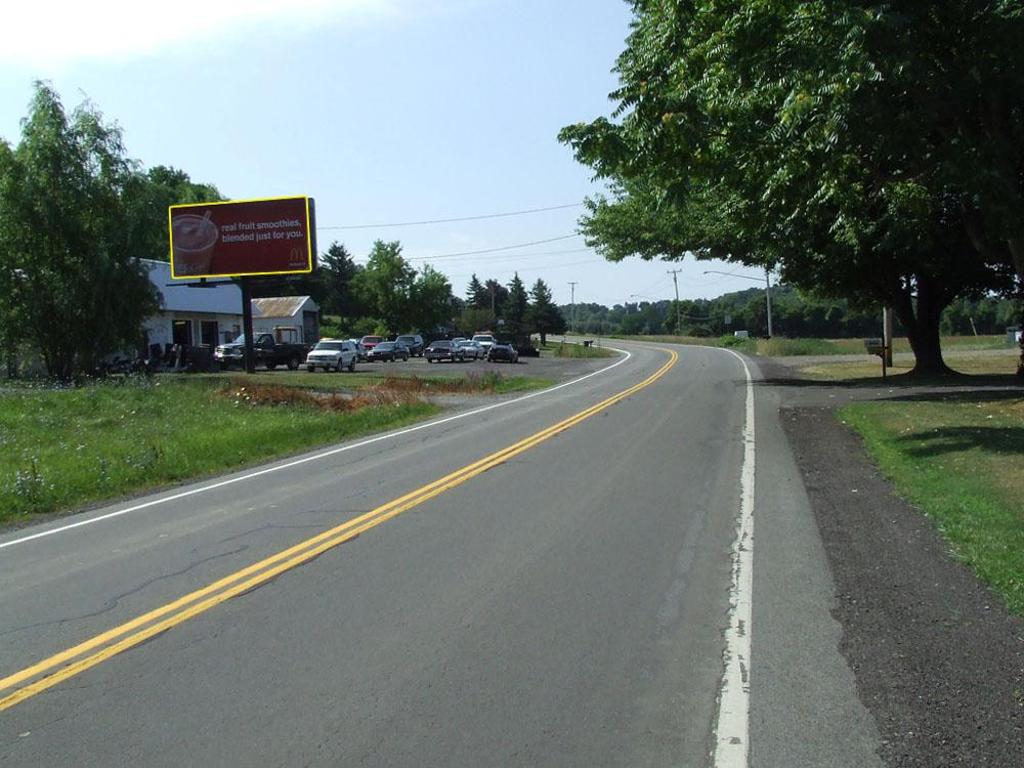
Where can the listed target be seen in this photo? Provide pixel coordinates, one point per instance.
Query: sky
(385, 111)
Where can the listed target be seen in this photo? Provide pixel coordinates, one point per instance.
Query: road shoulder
(938, 660)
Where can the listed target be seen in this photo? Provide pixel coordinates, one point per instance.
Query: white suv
(485, 340)
(331, 354)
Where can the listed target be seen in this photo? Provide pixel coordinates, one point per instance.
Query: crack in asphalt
(113, 602)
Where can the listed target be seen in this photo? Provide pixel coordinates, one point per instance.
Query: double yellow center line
(73, 661)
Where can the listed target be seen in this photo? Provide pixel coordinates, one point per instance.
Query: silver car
(471, 349)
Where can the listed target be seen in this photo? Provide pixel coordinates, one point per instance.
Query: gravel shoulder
(938, 660)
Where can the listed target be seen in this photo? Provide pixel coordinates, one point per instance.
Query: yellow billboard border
(310, 256)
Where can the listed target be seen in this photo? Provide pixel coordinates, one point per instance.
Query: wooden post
(887, 337)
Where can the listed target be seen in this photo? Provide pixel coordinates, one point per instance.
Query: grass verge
(958, 458)
(62, 449)
(576, 351)
(976, 364)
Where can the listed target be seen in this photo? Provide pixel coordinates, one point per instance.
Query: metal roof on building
(224, 298)
(221, 297)
(278, 306)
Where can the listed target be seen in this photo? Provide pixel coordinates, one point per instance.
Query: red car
(369, 342)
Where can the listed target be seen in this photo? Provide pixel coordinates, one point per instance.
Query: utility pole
(572, 314)
(768, 298)
(675, 281)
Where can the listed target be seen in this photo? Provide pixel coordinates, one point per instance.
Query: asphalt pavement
(562, 604)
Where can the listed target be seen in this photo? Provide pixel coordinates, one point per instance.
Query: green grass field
(960, 458)
(63, 449)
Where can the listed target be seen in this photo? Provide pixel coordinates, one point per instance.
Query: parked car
(471, 349)
(267, 351)
(484, 339)
(360, 350)
(388, 351)
(505, 352)
(414, 342)
(443, 350)
(369, 342)
(335, 354)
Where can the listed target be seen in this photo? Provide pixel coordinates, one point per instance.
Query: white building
(212, 315)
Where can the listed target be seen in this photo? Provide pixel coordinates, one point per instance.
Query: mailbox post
(879, 347)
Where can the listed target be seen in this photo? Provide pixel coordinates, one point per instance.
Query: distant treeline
(793, 315)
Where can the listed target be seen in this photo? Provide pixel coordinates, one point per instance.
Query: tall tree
(431, 300)
(386, 283)
(336, 273)
(817, 138)
(544, 317)
(148, 195)
(515, 310)
(473, 320)
(496, 294)
(477, 295)
(71, 278)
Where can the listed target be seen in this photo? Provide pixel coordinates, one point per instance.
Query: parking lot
(554, 368)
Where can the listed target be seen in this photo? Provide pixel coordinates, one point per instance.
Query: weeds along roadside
(66, 448)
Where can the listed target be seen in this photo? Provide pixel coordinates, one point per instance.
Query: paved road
(563, 608)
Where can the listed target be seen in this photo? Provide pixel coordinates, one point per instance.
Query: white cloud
(55, 33)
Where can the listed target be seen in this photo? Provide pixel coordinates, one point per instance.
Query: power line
(454, 219)
(509, 257)
(495, 250)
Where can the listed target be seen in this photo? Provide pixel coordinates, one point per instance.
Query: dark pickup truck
(269, 353)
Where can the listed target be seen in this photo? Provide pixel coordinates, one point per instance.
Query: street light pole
(572, 313)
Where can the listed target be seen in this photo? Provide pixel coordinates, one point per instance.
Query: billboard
(240, 238)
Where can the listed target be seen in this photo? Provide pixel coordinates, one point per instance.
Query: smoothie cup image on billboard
(194, 239)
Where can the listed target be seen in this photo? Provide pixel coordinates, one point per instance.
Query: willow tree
(866, 151)
(71, 285)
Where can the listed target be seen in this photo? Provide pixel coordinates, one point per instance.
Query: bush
(733, 341)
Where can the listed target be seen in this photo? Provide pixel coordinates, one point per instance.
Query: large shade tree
(148, 194)
(70, 280)
(866, 150)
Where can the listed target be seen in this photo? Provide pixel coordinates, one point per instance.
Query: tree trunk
(1017, 254)
(921, 320)
(1020, 362)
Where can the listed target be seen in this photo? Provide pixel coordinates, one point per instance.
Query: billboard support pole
(250, 351)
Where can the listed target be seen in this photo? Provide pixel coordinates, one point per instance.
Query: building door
(310, 326)
(208, 332)
(181, 332)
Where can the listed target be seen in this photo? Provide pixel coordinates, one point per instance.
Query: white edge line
(732, 731)
(314, 457)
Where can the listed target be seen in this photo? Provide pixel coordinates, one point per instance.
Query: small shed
(289, 318)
